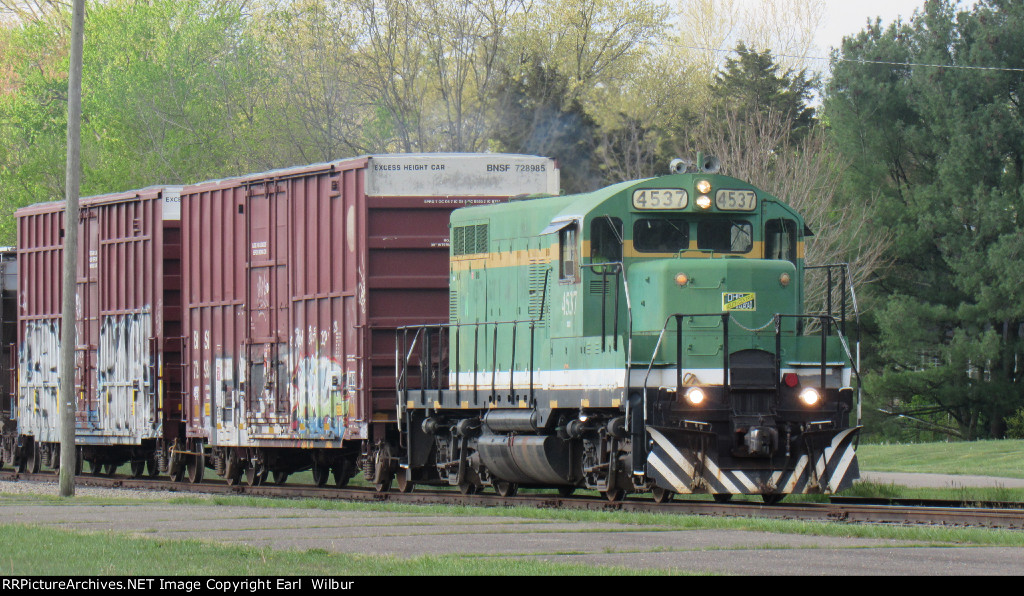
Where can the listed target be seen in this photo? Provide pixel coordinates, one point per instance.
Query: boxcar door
(96, 407)
(266, 306)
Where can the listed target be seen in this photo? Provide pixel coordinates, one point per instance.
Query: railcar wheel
(505, 489)
(566, 491)
(614, 495)
(32, 459)
(255, 476)
(280, 477)
(468, 488)
(722, 497)
(404, 484)
(342, 473)
(382, 469)
(138, 468)
(195, 467)
(772, 499)
(232, 467)
(384, 485)
(661, 495)
(95, 468)
(152, 467)
(320, 474)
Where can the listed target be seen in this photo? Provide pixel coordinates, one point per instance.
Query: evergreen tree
(752, 83)
(943, 149)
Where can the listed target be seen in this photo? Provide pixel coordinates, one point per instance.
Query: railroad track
(841, 509)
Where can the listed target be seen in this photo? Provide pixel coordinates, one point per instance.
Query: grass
(45, 550)
(982, 458)
(32, 550)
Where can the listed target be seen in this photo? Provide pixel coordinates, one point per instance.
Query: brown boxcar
(295, 281)
(8, 339)
(128, 353)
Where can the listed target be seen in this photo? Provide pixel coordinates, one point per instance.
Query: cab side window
(780, 240)
(569, 260)
(606, 240)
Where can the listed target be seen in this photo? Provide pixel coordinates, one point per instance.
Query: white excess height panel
(469, 175)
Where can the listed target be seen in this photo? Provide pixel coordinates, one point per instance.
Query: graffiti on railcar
(317, 392)
(124, 371)
(38, 374)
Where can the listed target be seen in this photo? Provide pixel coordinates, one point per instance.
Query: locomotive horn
(679, 166)
(710, 164)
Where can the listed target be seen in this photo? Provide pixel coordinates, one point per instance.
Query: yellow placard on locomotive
(739, 301)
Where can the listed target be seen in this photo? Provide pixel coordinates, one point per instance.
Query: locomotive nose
(751, 290)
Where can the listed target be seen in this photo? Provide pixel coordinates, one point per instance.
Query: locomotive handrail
(405, 349)
(620, 270)
(679, 350)
(406, 355)
(826, 321)
(847, 283)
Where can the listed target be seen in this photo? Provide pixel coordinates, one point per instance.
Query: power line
(863, 61)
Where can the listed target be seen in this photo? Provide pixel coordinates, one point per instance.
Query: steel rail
(941, 513)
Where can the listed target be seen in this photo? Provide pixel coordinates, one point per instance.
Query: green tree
(943, 147)
(752, 83)
(171, 93)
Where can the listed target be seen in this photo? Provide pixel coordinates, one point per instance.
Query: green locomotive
(647, 336)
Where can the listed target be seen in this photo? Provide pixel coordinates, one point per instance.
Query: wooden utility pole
(68, 453)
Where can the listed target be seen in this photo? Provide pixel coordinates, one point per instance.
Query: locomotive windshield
(725, 235)
(661, 235)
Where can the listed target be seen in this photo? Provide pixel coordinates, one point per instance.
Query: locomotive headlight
(784, 279)
(682, 279)
(810, 396)
(695, 395)
(703, 187)
(704, 201)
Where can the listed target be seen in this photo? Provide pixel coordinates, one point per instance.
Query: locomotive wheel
(505, 489)
(404, 485)
(772, 499)
(614, 495)
(280, 477)
(566, 491)
(722, 497)
(320, 474)
(195, 466)
(661, 495)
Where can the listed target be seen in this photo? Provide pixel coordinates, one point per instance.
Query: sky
(846, 17)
